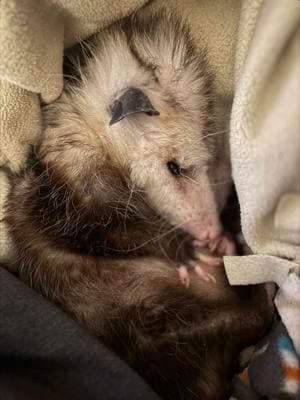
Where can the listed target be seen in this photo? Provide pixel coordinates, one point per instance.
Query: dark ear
(130, 102)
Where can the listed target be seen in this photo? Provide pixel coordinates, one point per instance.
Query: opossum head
(145, 102)
(169, 158)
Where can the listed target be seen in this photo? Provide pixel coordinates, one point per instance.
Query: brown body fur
(103, 253)
(184, 342)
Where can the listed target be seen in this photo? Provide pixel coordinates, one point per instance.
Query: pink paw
(184, 273)
(223, 245)
(199, 265)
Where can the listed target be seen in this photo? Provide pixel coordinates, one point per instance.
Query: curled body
(130, 169)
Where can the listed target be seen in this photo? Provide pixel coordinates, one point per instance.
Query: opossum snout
(201, 213)
(204, 226)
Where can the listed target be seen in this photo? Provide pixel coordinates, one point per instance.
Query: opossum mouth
(204, 229)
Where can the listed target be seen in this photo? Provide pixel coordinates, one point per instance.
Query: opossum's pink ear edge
(131, 101)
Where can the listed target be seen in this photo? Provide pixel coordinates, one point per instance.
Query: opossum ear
(130, 102)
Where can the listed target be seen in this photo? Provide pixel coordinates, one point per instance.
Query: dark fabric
(273, 371)
(46, 355)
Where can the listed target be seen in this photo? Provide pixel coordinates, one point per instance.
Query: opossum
(129, 171)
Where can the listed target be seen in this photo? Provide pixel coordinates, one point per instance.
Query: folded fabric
(265, 148)
(274, 369)
(47, 355)
(265, 126)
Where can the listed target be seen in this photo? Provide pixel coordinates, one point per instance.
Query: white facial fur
(177, 88)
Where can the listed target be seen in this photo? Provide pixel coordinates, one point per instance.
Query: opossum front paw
(197, 263)
(223, 245)
(184, 273)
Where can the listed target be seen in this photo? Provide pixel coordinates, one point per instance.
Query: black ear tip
(132, 101)
(116, 112)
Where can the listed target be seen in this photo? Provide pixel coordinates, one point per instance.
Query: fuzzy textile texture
(274, 370)
(54, 358)
(265, 148)
(253, 49)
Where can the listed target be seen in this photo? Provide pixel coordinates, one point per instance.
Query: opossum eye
(174, 168)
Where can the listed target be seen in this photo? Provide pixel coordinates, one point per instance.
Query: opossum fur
(100, 223)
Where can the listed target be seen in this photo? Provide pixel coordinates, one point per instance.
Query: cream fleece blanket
(265, 151)
(253, 48)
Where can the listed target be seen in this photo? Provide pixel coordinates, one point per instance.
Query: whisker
(180, 246)
(153, 239)
(127, 207)
(207, 185)
(150, 240)
(214, 133)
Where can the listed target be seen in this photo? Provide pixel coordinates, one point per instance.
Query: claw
(200, 243)
(230, 248)
(213, 244)
(203, 258)
(184, 276)
(210, 260)
(206, 258)
(204, 275)
(223, 245)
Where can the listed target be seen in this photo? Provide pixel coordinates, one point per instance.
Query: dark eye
(174, 168)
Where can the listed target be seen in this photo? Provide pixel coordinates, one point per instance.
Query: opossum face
(170, 159)
(171, 155)
(145, 104)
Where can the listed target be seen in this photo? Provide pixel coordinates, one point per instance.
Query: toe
(204, 275)
(200, 243)
(213, 244)
(230, 248)
(210, 260)
(184, 275)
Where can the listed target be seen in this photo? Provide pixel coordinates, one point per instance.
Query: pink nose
(204, 227)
